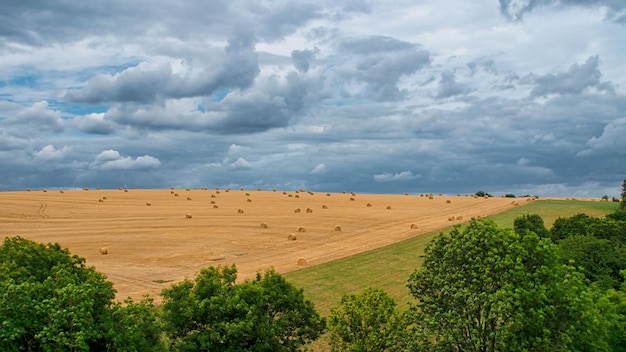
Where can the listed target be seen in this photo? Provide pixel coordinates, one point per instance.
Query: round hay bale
(45, 191)
(302, 262)
(389, 207)
(100, 200)
(448, 201)
(240, 211)
(297, 196)
(148, 203)
(188, 198)
(450, 218)
(247, 194)
(324, 206)
(104, 198)
(104, 251)
(188, 216)
(413, 226)
(125, 190)
(459, 217)
(212, 195)
(352, 199)
(337, 228)
(175, 194)
(284, 193)
(430, 197)
(297, 210)
(301, 229)
(309, 210)
(172, 192)
(249, 200)
(291, 237)
(215, 206)
(290, 196)
(61, 191)
(217, 192)
(263, 225)
(187, 189)
(212, 202)
(327, 194)
(352, 194)
(369, 205)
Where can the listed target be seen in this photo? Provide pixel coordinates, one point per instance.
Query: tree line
(480, 288)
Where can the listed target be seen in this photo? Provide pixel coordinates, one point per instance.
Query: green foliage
(212, 313)
(487, 289)
(483, 194)
(532, 223)
(601, 260)
(50, 301)
(367, 321)
(135, 326)
(585, 225)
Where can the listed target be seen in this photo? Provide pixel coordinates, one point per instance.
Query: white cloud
(109, 160)
(319, 169)
(239, 164)
(49, 152)
(398, 177)
(108, 155)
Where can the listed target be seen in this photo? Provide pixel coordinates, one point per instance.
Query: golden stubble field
(158, 237)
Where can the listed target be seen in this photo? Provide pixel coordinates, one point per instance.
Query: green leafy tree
(487, 289)
(601, 260)
(135, 326)
(51, 301)
(530, 222)
(368, 321)
(622, 204)
(585, 225)
(213, 313)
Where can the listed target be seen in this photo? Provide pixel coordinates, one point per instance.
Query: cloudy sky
(432, 96)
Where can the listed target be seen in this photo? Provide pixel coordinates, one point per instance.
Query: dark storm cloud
(517, 9)
(448, 86)
(144, 84)
(43, 22)
(574, 81)
(380, 62)
(302, 58)
(37, 117)
(274, 103)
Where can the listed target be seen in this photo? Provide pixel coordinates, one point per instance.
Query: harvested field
(151, 247)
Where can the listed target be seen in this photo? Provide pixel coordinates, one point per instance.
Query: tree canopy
(367, 321)
(484, 288)
(213, 313)
(51, 301)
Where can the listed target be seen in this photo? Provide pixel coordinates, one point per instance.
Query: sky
(434, 96)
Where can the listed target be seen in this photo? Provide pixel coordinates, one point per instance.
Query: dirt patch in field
(154, 238)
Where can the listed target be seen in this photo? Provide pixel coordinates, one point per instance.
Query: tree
(487, 289)
(368, 321)
(530, 222)
(601, 259)
(212, 313)
(51, 301)
(622, 204)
